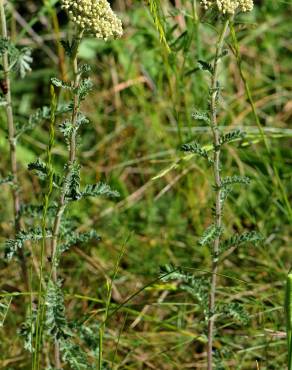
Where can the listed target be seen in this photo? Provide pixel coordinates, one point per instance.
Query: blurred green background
(140, 112)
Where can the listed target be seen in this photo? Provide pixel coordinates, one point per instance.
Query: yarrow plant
(213, 237)
(46, 325)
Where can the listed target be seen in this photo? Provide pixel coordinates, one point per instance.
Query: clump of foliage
(46, 324)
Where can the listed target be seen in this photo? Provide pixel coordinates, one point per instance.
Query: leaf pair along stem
(218, 208)
(12, 145)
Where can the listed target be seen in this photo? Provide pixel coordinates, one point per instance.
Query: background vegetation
(141, 111)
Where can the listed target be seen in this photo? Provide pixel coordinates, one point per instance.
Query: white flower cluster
(94, 16)
(228, 6)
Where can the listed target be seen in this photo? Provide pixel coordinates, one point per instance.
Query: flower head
(95, 17)
(228, 6)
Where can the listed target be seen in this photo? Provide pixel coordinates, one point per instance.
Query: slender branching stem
(217, 176)
(71, 159)
(12, 144)
(62, 199)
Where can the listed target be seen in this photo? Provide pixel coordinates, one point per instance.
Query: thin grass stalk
(47, 196)
(217, 176)
(12, 146)
(56, 29)
(107, 306)
(257, 120)
(288, 310)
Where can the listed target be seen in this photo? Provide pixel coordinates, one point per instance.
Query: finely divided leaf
(205, 66)
(195, 148)
(99, 189)
(56, 322)
(231, 180)
(13, 245)
(201, 116)
(232, 136)
(252, 237)
(237, 312)
(73, 183)
(59, 83)
(73, 355)
(210, 234)
(78, 238)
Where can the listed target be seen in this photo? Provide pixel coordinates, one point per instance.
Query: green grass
(133, 137)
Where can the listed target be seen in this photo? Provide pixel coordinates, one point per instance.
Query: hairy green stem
(62, 199)
(72, 156)
(217, 176)
(12, 145)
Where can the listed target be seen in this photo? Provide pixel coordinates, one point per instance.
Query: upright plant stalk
(217, 176)
(12, 144)
(85, 19)
(71, 159)
(288, 309)
(60, 209)
(62, 202)
(46, 201)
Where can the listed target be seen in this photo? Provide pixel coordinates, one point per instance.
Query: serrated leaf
(84, 89)
(20, 58)
(56, 323)
(40, 169)
(35, 210)
(237, 312)
(24, 61)
(232, 136)
(198, 287)
(27, 331)
(78, 238)
(13, 245)
(73, 355)
(62, 84)
(67, 129)
(73, 183)
(99, 189)
(210, 234)
(196, 149)
(84, 68)
(231, 180)
(252, 237)
(81, 119)
(201, 116)
(205, 66)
